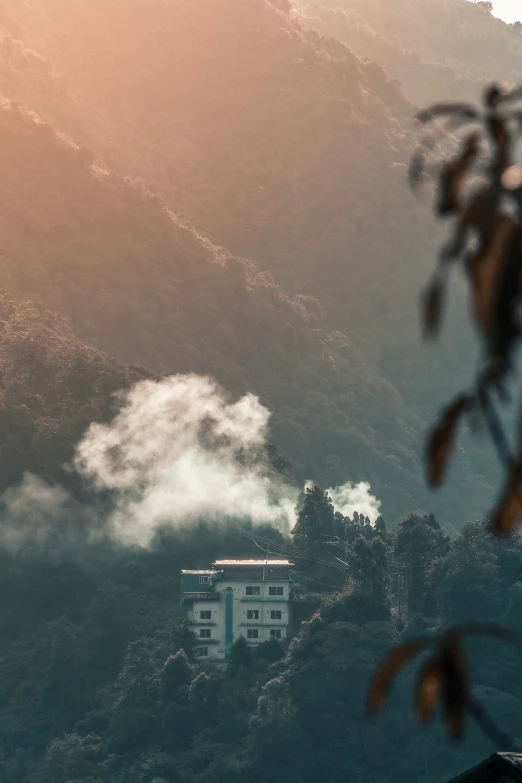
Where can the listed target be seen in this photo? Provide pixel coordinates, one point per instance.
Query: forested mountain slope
(292, 151)
(138, 284)
(438, 49)
(274, 141)
(286, 148)
(93, 688)
(28, 77)
(53, 386)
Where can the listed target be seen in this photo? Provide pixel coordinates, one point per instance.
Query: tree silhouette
(177, 672)
(315, 518)
(240, 655)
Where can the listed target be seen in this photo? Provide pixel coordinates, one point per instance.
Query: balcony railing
(200, 596)
(268, 598)
(203, 622)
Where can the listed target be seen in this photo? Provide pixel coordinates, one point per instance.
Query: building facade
(234, 598)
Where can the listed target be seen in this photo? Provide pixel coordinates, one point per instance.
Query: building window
(252, 614)
(275, 615)
(204, 633)
(204, 580)
(253, 633)
(252, 590)
(275, 591)
(205, 614)
(202, 652)
(275, 633)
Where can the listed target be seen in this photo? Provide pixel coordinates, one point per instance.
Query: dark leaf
(453, 174)
(509, 508)
(389, 669)
(505, 327)
(448, 109)
(492, 96)
(427, 689)
(499, 133)
(442, 438)
(455, 689)
(511, 96)
(487, 268)
(431, 307)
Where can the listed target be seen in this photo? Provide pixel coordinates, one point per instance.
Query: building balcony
(267, 598)
(203, 622)
(189, 598)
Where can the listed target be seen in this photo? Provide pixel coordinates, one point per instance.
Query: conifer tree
(240, 655)
(315, 518)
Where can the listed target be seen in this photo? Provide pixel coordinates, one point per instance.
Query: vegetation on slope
(437, 50)
(94, 689)
(140, 285)
(28, 77)
(287, 148)
(53, 386)
(274, 141)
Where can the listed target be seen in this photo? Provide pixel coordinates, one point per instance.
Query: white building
(236, 598)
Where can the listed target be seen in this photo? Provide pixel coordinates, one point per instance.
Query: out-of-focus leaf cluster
(479, 187)
(443, 678)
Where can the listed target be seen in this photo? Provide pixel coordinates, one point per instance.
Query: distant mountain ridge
(138, 284)
(438, 50)
(281, 145)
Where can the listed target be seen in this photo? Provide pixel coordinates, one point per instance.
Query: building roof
(221, 563)
(208, 572)
(499, 768)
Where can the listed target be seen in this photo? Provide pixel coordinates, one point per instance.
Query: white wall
(264, 603)
(242, 603)
(216, 625)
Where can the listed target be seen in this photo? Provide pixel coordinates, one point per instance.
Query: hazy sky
(508, 10)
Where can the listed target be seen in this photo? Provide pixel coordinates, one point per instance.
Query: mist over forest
(210, 346)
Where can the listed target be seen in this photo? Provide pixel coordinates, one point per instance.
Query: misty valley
(252, 525)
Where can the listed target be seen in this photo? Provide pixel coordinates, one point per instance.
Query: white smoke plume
(179, 450)
(355, 497)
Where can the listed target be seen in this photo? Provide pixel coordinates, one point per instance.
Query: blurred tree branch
(479, 188)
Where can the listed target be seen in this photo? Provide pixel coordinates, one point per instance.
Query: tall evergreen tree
(315, 518)
(177, 672)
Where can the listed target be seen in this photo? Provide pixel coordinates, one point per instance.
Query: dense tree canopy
(99, 680)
